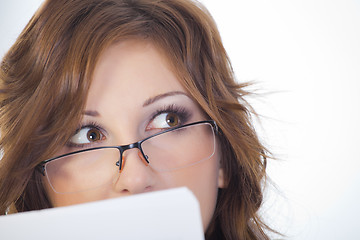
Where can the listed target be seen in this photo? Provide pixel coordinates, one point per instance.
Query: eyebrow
(91, 113)
(160, 96)
(146, 103)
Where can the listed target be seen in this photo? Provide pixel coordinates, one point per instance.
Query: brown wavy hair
(45, 77)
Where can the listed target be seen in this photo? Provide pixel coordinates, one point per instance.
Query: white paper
(169, 214)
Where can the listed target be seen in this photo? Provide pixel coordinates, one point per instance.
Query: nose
(136, 176)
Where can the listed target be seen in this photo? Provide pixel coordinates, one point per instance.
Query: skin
(129, 84)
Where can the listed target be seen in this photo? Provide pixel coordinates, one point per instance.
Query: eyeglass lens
(165, 152)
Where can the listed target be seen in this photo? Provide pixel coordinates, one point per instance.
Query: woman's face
(134, 95)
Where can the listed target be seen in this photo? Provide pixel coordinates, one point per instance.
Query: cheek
(67, 199)
(202, 180)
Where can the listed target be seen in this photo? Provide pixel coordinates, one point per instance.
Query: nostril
(148, 189)
(125, 191)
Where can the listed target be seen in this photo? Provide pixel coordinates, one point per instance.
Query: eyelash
(91, 124)
(181, 111)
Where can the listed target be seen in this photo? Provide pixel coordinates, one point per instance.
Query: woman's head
(48, 79)
(134, 96)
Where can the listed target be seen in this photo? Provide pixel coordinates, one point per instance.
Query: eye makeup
(91, 125)
(182, 113)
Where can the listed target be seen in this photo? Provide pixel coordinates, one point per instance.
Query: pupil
(172, 119)
(93, 136)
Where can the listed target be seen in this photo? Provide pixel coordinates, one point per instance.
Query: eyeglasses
(169, 150)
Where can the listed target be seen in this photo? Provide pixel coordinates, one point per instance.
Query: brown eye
(172, 119)
(165, 120)
(86, 135)
(93, 135)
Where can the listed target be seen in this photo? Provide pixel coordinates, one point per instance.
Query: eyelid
(89, 124)
(172, 108)
(183, 112)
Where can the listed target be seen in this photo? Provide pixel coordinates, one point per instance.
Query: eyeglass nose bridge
(123, 148)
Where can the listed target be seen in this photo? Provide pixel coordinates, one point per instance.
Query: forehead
(131, 71)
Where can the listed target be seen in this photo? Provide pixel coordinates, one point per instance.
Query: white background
(305, 57)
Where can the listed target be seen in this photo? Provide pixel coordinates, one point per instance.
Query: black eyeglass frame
(123, 148)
